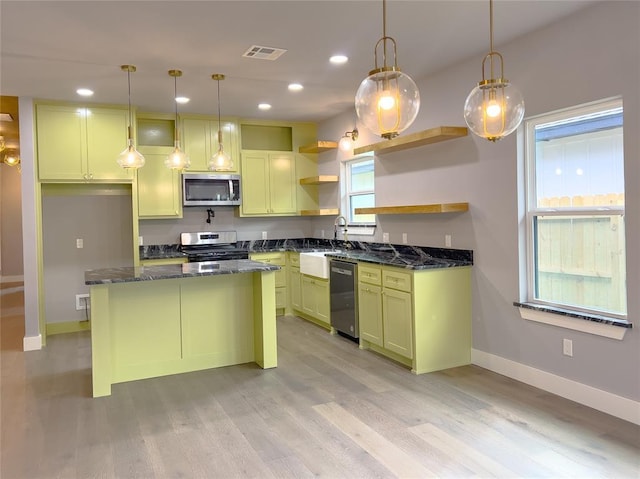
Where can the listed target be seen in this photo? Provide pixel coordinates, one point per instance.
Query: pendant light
(220, 161)
(177, 159)
(130, 157)
(388, 100)
(494, 108)
(347, 140)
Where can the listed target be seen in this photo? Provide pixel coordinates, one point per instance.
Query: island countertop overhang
(128, 274)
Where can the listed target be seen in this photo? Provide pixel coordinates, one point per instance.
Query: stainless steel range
(211, 246)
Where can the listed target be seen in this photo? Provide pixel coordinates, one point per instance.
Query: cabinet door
(308, 295)
(397, 321)
(61, 140)
(370, 313)
(255, 183)
(282, 179)
(296, 289)
(107, 132)
(322, 299)
(159, 189)
(196, 142)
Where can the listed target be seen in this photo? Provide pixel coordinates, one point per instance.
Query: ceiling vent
(263, 53)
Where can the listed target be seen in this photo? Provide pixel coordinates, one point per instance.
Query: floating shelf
(421, 138)
(322, 212)
(415, 209)
(318, 147)
(319, 180)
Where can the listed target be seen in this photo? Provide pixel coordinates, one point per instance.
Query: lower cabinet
(420, 318)
(315, 298)
(278, 258)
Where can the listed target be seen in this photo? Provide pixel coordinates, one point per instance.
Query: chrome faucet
(342, 222)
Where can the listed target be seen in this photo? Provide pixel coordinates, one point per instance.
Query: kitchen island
(159, 320)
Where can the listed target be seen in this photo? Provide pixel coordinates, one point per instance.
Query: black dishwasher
(344, 297)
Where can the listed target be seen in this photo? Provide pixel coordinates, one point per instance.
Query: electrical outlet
(322, 234)
(385, 237)
(447, 241)
(264, 235)
(404, 238)
(140, 241)
(79, 243)
(81, 301)
(567, 347)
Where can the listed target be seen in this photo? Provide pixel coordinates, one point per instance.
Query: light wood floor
(328, 410)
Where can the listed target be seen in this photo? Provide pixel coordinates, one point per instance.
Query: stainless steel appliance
(211, 246)
(343, 291)
(203, 189)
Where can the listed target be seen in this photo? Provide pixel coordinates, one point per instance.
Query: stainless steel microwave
(203, 189)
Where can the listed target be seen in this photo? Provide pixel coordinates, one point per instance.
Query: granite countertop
(130, 274)
(403, 256)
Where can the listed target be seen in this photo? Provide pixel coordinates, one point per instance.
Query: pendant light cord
(130, 115)
(175, 95)
(219, 124)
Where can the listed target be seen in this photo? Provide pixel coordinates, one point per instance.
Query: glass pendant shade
(130, 157)
(347, 141)
(494, 109)
(220, 161)
(387, 102)
(177, 159)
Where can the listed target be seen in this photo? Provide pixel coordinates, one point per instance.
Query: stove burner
(211, 246)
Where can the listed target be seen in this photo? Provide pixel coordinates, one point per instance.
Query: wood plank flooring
(328, 410)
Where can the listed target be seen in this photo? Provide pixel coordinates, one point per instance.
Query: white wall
(592, 55)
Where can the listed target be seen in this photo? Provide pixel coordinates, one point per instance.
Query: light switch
(79, 243)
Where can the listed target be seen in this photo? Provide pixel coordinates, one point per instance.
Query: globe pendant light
(220, 161)
(387, 101)
(130, 158)
(494, 108)
(177, 159)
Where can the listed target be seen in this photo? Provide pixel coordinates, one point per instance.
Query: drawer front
(369, 274)
(278, 258)
(294, 259)
(396, 279)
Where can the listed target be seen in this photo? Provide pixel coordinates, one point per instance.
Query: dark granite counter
(404, 256)
(186, 270)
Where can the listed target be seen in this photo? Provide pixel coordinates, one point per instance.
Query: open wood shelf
(319, 180)
(421, 138)
(318, 147)
(321, 212)
(415, 209)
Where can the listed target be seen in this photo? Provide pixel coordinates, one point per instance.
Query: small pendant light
(130, 157)
(494, 108)
(387, 101)
(220, 161)
(177, 159)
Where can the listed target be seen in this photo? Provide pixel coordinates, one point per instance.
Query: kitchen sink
(315, 264)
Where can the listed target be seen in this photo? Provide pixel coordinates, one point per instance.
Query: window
(575, 209)
(359, 191)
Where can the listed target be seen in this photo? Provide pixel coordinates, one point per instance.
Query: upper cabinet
(268, 183)
(159, 187)
(79, 143)
(200, 140)
(414, 140)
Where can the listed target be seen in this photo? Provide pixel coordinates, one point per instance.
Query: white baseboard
(604, 401)
(12, 279)
(32, 343)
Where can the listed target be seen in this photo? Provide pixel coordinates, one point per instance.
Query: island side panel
(266, 342)
(100, 341)
(442, 319)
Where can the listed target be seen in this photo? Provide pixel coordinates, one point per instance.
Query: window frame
(532, 211)
(346, 193)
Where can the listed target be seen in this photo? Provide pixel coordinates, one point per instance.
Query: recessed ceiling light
(339, 59)
(182, 99)
(295, 87)
(84, 92)
(264, 106)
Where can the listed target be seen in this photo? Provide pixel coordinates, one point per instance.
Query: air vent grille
(263, 53)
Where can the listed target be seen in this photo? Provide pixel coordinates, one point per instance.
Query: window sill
(607, 327)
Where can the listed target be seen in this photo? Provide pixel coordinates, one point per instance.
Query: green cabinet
(159, 188)
(78, 143)
(295, 281)
(316, 298)
(200, 140)
(268, 183)
(385, 308)
(278, 258)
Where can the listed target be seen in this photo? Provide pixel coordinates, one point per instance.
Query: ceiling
(51, 48)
